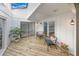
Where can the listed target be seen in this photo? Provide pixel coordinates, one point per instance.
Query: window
(19, 5)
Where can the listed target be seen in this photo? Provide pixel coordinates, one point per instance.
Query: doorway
(45, 28)
(28, 29)
(51, 28)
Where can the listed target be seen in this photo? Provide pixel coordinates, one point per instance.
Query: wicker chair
(50, 43)
(40, 35)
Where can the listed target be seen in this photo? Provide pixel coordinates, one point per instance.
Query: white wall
(39, 27)
(15, 22)
(64, 31)
(4, 13)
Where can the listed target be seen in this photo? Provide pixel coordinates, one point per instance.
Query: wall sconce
(72, 22)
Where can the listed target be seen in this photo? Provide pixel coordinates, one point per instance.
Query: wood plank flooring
(31, 47)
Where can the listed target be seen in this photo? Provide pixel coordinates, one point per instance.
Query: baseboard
(2, 51)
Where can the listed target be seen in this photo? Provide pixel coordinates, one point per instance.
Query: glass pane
(28, 29)
(19, 5)
(45, 28)
(24, 28)
(51, 28)
(1, 23)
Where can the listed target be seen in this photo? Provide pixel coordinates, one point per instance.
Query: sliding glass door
(24, 28)
(1, 32)
(51, 28)
(28, 29)
(45, 28)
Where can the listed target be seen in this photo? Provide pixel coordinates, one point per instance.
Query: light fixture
(72, 22)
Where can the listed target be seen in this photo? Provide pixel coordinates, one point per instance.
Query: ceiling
(22, 13)
(46, 10)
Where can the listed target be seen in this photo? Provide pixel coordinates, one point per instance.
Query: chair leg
(48, 47)
(36, 37)
(56, 46)
(51, 46)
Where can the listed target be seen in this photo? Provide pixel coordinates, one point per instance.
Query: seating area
(50, 43)
(50, 40)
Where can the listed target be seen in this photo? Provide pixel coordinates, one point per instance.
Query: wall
(77, 30)
(39, 27)
(64, 31)
(15, 22)
(5, 13)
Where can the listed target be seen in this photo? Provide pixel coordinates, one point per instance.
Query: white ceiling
(46, 10)
(22, 13)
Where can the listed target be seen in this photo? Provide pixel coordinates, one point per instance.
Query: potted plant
(15, 34)
(64, 47)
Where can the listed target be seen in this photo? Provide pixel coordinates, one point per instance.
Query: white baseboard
(2, 51)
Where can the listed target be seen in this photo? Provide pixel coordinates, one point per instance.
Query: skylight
(19, 5)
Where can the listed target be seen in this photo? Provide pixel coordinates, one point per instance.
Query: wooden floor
(31, 47)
